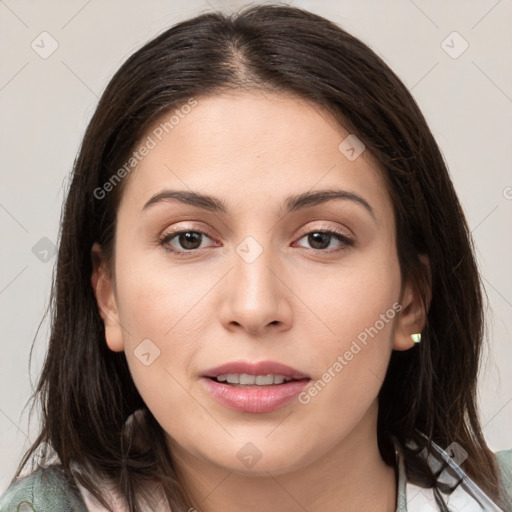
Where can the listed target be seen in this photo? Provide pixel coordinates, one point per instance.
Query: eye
(188, 240)
(320, 240)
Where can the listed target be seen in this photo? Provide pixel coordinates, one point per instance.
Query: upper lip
(257, 368)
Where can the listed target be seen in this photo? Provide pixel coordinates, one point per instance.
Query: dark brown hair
(86, 391)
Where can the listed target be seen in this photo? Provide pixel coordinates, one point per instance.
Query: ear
(413, 316)
(104, 289)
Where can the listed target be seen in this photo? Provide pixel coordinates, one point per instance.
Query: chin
(260, 459)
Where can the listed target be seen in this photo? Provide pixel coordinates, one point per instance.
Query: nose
(255, 297)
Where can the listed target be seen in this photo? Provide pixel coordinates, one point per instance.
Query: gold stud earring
(416, 337)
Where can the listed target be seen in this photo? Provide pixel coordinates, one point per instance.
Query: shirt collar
(466, 495)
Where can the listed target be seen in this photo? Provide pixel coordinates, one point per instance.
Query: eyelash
(347, 242)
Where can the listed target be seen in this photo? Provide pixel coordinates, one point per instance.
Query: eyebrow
(291, 204)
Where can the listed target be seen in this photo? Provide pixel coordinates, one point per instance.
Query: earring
(416, 337)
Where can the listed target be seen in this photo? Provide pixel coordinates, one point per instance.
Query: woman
(266, 296)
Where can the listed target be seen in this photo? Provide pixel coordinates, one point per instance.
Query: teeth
(247, 380)
(244, 379)
(263, 380)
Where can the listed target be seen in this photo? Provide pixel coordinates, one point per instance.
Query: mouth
(254, 387)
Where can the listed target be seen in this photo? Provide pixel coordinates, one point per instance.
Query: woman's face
(253, 283)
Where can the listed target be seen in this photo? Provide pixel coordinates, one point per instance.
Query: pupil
(190, 237)
(315, 239)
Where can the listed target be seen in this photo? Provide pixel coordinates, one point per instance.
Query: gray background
(47, 102)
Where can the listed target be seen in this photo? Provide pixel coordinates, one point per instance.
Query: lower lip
(257, 399)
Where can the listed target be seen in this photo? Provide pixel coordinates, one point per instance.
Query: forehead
(250, 146)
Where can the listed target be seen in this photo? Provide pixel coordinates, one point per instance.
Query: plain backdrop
(454, 56)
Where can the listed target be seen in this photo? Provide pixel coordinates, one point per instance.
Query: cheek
(351, 362)
(161, 326)
(157, 301)
(161, 339)
(353, 298)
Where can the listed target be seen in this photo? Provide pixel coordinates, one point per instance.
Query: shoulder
(45, 489)
(504, 459)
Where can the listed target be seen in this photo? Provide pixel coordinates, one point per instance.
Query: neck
(351, 477)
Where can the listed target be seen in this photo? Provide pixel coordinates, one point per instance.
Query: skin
(290, 305)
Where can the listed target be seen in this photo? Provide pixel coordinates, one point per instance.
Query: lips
(254, 387)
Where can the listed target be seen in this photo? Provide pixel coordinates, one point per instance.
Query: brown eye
(320, 240)
(184, 241)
